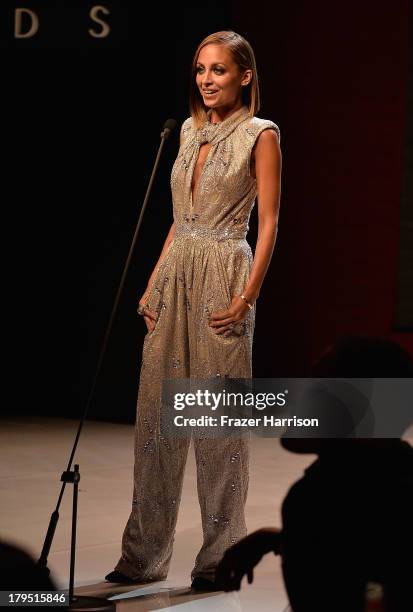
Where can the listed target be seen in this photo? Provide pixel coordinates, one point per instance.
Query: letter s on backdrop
(105, 27)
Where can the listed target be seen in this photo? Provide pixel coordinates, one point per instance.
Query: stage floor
(35, 451)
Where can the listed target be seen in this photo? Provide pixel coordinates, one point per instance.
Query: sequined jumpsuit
(206, 264)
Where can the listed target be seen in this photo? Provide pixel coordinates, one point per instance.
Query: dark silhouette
(347, 522)
(20, 572)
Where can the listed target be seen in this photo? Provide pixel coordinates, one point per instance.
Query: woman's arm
(165, 247)
(268, 174)
(268, 163)
(167, 242)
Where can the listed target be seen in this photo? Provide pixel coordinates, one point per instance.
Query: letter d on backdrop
(18, 23)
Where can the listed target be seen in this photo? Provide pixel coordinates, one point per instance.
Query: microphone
(168, 128)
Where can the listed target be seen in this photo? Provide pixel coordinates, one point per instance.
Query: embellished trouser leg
(222, 477)
(222, 462)
(149, 534)
(159, 462)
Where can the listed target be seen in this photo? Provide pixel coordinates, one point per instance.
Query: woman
(199, 308)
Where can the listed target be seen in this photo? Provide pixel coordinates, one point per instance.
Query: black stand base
(90, 604)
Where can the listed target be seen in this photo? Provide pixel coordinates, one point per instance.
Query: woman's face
(217, 72)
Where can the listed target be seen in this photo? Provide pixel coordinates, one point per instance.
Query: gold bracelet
(246, 301)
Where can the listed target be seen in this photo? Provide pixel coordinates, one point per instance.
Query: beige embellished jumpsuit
(206, 264)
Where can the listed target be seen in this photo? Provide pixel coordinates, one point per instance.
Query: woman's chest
(203, 154)
(212, 168)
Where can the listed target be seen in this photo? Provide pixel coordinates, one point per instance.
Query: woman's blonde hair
(243, 56)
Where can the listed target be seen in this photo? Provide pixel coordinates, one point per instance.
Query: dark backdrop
(83, 118)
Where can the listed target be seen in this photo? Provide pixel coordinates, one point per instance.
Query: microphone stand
(67, 475)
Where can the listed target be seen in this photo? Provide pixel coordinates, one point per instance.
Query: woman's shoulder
(187, 122)
(253, 127)
(186, 128)
(256, 125)
(186, 125)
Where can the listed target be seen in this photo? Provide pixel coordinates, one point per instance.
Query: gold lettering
(18, 23)
(105, 27)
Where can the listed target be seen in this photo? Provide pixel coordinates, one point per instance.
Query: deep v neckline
(212, 133)
(194, 191)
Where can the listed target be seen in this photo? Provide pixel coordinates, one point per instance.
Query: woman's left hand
(224, 320)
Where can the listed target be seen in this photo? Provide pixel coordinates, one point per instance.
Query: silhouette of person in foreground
(347, 521)
(20, 572)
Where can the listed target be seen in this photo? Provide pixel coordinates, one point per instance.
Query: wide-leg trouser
(183, 345)
(149, 534)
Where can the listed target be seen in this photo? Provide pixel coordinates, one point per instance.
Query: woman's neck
(219, 115)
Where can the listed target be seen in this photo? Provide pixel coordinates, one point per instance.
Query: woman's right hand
(150, 316)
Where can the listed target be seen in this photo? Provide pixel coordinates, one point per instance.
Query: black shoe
(119, 578)
(202, 584)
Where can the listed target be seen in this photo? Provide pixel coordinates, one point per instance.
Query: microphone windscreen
(170, 124)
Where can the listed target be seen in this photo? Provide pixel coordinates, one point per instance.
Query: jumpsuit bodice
(226, 190)
(209, 260)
